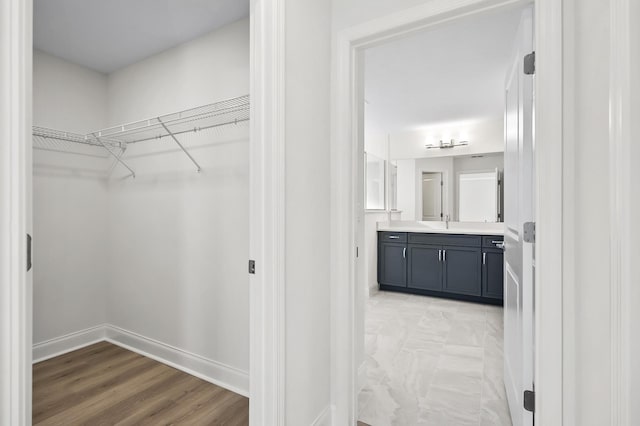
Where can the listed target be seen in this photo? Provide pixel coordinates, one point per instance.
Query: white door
(519, 193)
(431, 196)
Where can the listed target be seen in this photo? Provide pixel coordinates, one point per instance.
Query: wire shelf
(46, 139)
(231, 111)
(113, 141)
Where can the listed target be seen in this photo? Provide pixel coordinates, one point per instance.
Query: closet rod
(198, 168)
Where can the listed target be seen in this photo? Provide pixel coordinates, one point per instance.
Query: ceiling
(106, 35)
(453, 73)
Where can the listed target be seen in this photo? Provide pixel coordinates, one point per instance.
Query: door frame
(622, 132)
(267, 214)
(267, 292)
(16, 299)
(349, 45)
(441, 193)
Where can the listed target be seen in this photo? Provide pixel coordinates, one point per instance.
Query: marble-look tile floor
(432, 361)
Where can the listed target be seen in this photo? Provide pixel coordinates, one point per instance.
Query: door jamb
(549, 136)
(267, 213)
(15, 211)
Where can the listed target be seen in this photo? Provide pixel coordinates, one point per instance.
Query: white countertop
(470, 228)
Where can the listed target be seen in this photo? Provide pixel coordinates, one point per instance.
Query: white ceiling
(449, 74)
(106, 35)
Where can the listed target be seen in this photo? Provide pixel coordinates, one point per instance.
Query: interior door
(519, 193)
(432, 196)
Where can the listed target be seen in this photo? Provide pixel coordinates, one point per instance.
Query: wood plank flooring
(104, 384)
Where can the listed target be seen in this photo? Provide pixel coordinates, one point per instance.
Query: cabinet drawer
(392, 237)
(492, 241)
(446, 239)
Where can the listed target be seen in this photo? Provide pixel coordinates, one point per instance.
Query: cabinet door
(424, 267)
(392, 264)
(462, 270)
(492, 273)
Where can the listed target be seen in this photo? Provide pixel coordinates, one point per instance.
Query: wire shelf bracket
(175, 139)
(116, 156)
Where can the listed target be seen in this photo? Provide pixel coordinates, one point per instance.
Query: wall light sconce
(446, 145)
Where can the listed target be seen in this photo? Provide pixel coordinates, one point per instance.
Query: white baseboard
(324, 418)
(228, 377)
(69, 342)
(212, 371)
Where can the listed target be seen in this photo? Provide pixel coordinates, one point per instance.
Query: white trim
(215, 372)
(267, 213)
(69, 342)
(343, 210)
(15, 211)
(569, 149)
(549, 213)
(620, 194)
(324, 418)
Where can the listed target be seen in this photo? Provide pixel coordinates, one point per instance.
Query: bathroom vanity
(462, 261)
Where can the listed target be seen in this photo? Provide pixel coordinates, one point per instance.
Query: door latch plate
(529, 232)
(529, 401)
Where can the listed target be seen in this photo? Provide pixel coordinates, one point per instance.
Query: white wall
(376, 145)
(407, 189)
(70, 271)
(307, 41)
(483, 136)
(67, 96)
(207, 69)
(179, 239)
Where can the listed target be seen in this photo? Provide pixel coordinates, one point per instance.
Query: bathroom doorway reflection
(432, 196)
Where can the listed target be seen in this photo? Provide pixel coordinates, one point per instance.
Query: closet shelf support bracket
(116, 156)
(198, 168)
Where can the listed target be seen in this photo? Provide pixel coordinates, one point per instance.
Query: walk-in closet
(140, 212)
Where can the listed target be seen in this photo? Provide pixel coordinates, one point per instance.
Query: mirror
(462, 188)
(479, 196)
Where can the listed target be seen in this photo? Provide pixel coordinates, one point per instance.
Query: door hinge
(530, 63)
(29, 251)
(529, 232)
(252, 266)
(529, 401)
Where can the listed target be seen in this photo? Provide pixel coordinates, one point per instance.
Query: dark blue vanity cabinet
(493, 268)
(468, 267)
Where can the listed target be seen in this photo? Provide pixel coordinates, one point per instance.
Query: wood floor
(104, 384)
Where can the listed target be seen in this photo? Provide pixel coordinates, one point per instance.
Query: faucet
(446, 221)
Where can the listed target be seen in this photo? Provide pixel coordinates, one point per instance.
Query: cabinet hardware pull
(439, 255)
(394, 237)
(404, 252)
(484, 258)
(444, 255)
(497, 242)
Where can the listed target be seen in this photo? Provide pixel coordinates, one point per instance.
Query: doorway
(354, 43)
(432, 196)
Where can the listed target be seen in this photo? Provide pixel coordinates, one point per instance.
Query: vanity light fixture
(447, 145)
